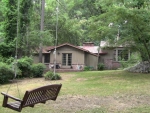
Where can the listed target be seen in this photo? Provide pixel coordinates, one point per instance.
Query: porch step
(65, 70)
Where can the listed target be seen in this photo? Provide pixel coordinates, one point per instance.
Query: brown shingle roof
(77, 47)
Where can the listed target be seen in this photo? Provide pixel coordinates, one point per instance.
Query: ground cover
(90, 92)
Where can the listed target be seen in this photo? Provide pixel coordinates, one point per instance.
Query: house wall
(36, 58)
(77, 57)
(80, 58)
(109, 59)
(91, 60)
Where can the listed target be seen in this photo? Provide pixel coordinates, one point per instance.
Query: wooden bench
(32, 97)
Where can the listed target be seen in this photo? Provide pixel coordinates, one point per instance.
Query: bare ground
(73, 103)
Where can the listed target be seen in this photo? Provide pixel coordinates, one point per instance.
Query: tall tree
(128, 19)
(24, 25)
(7, 46)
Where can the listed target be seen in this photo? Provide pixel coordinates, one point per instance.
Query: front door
(66, 60)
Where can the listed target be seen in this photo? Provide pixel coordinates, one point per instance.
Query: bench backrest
(41, 95)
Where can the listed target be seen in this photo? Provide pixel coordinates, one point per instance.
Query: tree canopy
(78, 21)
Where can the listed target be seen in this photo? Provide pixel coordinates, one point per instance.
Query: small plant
(88, 68)
(38, 69)
(100, 66)
(6, 73)
(50, 76)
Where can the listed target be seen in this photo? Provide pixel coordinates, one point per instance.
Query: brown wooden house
(73, 57)
(68, 56)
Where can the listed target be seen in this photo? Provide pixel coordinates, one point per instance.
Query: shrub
(24, 64)
(56, 77)
(6, 73)
(38, 69)
(100, 66)
(88, 68)
(50, 76)
(29, 60)
(15, 68)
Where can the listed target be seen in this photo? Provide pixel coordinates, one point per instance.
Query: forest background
(78, 21)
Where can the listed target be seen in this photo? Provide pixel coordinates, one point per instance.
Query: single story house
(68, 56)
(114, 55)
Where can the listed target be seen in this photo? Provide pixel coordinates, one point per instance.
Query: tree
(131, 19)
(28, 28)
(25, 10)
(9, 25)
(82, 11)
(68, 31)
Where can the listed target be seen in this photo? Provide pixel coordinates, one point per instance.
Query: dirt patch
(112, 103)
(81, 79)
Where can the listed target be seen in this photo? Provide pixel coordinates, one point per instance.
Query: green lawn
(90, 92)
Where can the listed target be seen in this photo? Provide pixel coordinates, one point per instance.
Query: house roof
(86, 48)
(69, 45)
(92, 49)
(77, 47)
(107, 44)
(46, 49)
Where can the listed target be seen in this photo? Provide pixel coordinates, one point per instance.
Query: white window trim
(116, 54)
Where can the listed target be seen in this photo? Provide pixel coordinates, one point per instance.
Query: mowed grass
(106, 83)
(89, 83)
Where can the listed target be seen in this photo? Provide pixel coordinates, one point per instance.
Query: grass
(108, 83)
(115, 84)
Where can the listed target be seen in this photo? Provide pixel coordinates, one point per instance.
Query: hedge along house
(68, 56)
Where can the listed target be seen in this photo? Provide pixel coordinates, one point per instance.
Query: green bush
(15, 68)
(38, 69)
(50, 76)
(29, 60)
(88, 68)
(24, 64)
(6, 73)
(100, 66)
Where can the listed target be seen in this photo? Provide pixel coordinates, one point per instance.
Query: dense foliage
(124, 23)
(28, 69)
(119, 22)
(6, 73)
(24, 64)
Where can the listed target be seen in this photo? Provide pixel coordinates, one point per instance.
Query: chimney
(88, 44)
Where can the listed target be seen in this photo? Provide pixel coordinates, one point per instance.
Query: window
(121, 55)
(66, 59)
(46, 58)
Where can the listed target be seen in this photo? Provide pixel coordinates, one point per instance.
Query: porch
(61, 70)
